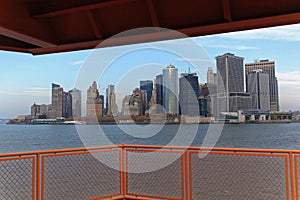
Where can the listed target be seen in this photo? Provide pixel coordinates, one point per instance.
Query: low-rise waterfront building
(281, 115)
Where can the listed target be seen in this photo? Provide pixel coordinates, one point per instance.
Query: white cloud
(214, 42)
(289, 90)
(289, 79)
(207, 42)
(79, 62)
(235, 47)
(286, 33)
(290, 76)
(182, 41)
(45, 92)
(194, 59)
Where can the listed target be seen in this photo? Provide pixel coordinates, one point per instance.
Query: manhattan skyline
(27, 77)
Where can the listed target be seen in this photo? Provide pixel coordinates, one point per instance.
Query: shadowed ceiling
(49, 26)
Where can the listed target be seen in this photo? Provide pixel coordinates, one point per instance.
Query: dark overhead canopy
(48, 26)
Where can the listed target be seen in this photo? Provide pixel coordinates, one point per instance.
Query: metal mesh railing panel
(297, 170)
(152, 172)
(156, 174)
(229, 176)
(81, 176)
(16, 178)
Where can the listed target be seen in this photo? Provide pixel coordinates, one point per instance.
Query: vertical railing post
(186, 173)
(38, 176)
(292, 176)
(122, 170)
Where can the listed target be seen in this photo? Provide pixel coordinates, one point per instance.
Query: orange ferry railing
(150, 172)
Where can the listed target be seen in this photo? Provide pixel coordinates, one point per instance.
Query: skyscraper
(106, 101)
(209, 92)
(129, 106)
(276, 94)
(203, 106)
(239, 101)
(57, 101)
(267, 67)
(110, 89)
(258, 86)
(111, 106)
(154, 93)
(215, 78)
(133, 104)
(147, 86)
(230, 83)
(230, 73)
(159, 92)
(35, 109)
(104, 109)
(94, 107)
(76, 103)
(67, 105)
(210, 76)
(170, 90)
(188, 94)
(39, 111)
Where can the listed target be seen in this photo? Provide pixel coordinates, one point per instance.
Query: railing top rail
(250, 150)
(68, 150)
(154, 147)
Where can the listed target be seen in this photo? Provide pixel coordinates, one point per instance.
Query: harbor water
(23, 138)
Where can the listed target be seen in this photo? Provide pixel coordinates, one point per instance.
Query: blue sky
(25, 79)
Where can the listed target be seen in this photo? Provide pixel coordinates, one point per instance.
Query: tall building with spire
(170, 90)
(267, 67)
